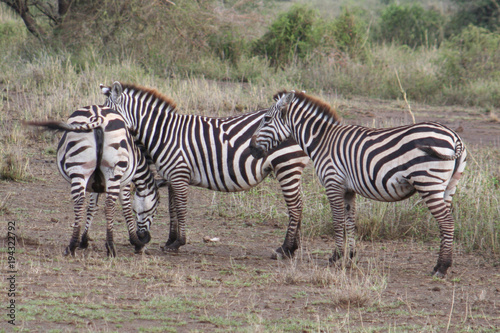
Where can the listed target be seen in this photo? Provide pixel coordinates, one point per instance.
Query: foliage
(14, 167)
(50, 12)
(410, 25)
(227, 44)
(348, 34)
(292, 35)
(480, 13)
(470, 56)
(230, 40)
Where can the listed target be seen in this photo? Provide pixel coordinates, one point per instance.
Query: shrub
(411, 25)
(293, 34)
(227, 44)
(482, 13)
(345, 36)
(471, 54)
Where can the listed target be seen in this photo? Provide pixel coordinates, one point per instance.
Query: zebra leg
(350, 211)
(290, 186)
(91, 210)
(441, 212)
(177, 195)
(79, 202)
(110, 216)
(335, 194)
(129, 218)
(174, 226)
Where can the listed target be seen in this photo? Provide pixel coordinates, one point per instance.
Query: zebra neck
(310, 128)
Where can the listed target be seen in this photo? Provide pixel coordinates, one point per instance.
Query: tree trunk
(63, 7)
(21, 8)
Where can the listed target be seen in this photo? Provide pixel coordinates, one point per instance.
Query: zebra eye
(267, 119)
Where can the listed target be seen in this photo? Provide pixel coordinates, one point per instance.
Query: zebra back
(206, 152)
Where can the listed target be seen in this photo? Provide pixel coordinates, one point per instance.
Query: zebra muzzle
(256, 151)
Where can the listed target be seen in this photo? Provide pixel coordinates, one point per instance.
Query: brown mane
(321, 105)
(151, 92)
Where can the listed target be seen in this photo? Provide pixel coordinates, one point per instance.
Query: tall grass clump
(467, 62)
(14, 166)
(376, 77)
(476, 206)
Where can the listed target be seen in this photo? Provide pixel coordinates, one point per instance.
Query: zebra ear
(105, 90)
(284, 102)
(161, 183)
(289, 97)
(116, 92)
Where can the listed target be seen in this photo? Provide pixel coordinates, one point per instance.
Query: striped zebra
(380, 164)
(207, 152)
(96, 153)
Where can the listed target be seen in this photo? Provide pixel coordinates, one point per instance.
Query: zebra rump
(97, 154)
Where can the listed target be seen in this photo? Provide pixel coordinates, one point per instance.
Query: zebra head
(273, 128)
(144, 206)
(116, 101)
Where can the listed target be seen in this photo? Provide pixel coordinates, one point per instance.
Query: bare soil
(232, 284)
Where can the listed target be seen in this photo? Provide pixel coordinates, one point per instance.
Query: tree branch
(22, 9)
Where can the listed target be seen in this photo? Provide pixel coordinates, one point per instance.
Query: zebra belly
(227, 184)
(396, 188)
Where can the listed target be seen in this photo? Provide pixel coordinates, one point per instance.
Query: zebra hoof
(334, 258)
(68, 250)
(171, 247)
(143, 251)
(84, 243)
(439, 271)
(281, 253)
(438, 274)
(140, 249)
(110, 248)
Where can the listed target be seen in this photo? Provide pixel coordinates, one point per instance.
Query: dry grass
(343, 287)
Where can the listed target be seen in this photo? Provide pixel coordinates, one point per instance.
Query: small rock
(208, 239)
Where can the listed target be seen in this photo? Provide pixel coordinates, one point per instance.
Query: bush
(227, 44)
(471, 54)
(348, 34)
(293, 35)
(482, 13)
(411, 25)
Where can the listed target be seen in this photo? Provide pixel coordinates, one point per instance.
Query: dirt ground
(233, 285)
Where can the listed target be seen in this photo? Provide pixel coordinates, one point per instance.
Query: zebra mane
(321, 105)
(144, 91)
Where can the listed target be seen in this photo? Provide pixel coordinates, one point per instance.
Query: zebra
(207, 152)
(96, 153)
(381, 164)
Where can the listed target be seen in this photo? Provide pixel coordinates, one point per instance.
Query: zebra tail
(459, 148)
(62, 126)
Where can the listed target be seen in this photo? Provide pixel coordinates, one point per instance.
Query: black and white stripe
(207, 152)
(97, 154)
(381, 164)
